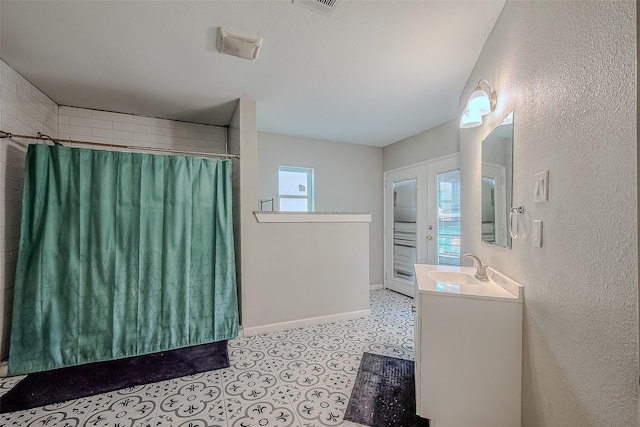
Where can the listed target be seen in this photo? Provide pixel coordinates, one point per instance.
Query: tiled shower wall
(24, 110)
(27, 110)
(126, 129)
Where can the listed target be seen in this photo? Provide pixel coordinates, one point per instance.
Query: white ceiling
(373, 73)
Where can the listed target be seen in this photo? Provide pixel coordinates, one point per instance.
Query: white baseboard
(265, 329)
(375, 287)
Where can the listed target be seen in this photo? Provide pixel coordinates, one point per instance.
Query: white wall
(436, 142)
(279, 284)
(243, 140)
(305, 273)
(24, 110)
(348, 177)
(568, 70)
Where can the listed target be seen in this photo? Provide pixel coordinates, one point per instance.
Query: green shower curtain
(121, 254)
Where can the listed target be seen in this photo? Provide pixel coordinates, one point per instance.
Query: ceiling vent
(240, 45)
(325, 7)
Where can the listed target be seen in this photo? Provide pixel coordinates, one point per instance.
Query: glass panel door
(448, 188)
(443, 230)
(405, 218)
(422, 220)
(404, 229)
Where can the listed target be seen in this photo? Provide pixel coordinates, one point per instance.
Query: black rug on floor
(384, 393)
(59, 385)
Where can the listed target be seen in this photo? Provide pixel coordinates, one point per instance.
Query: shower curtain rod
(57, 141)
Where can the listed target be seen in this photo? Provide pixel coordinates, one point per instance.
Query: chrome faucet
(481, 269)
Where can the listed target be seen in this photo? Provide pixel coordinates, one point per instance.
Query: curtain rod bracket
(4, 134)
(44, 137)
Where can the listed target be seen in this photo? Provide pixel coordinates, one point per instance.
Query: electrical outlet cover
(536, 234)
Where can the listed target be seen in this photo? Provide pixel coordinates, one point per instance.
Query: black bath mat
(59, 385)
(384, 393)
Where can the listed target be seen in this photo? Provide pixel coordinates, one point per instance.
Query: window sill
(312, 217)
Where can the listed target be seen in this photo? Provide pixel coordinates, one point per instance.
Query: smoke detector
(240, 45)
(325, 7)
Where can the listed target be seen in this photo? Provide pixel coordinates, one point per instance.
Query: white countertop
(499, 287)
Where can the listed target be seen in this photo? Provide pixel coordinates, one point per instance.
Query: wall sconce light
(480, 103)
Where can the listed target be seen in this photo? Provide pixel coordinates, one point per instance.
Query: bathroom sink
(454, 281)
(453, 277)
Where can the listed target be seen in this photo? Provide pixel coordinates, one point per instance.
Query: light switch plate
(541, 187)
(536, 233)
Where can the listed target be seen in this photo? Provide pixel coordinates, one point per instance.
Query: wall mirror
(497, 180)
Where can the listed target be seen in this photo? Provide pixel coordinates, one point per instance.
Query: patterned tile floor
(300, 377)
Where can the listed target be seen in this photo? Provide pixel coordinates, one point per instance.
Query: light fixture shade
(479, 102)
(470, 119)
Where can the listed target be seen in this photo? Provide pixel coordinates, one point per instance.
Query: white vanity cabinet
(468, 344)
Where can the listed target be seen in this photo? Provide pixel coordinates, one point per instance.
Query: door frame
(427, 167)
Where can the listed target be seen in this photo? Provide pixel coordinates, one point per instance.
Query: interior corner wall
(568, 71)
(243, 140)
(347, 178)
(436, 142)
(23, 110)
(638, 202)
(233, 146)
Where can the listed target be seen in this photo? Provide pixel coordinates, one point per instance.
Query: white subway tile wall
(23, 110)
(137, 131)
(26, 110)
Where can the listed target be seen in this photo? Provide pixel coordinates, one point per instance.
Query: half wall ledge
(312, 216)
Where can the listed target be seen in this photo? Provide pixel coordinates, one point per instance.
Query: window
(295, 189)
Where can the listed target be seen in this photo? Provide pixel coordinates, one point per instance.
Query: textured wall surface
(24, 110)
(568, 70)
(348, 177)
